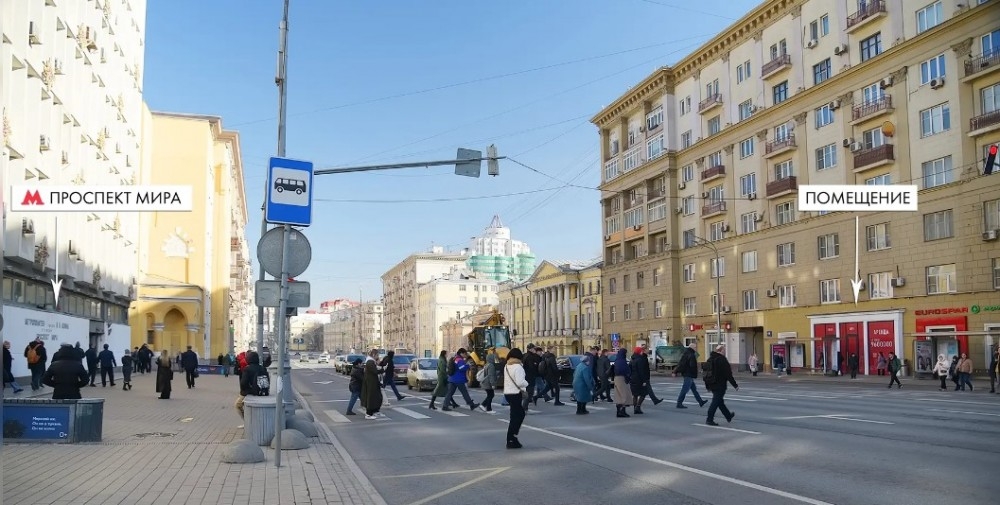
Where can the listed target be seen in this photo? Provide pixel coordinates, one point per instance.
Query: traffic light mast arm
(418, 164)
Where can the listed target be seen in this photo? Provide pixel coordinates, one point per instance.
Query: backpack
(708, 373)
(481, 375)
(542, 366)
(261, 386)
(33, 356)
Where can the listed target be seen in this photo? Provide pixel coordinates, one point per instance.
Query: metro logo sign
(46, 198)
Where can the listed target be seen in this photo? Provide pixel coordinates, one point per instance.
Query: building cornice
(659, 82)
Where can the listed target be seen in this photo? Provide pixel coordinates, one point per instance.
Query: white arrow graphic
(56, 281)
(856, 281)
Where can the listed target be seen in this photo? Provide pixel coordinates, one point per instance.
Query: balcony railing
(713, 172)
(611, 169)
(884, 103)
(874, 155)
(988, 119)
(781, 186)
(788, 141)
(865, 11)
(981, 62)
(632, 158)
(713, 208)
(709, 102)
(775, 64)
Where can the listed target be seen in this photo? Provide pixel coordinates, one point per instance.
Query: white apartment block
(354, 328)
(71, 100)
(453, 296)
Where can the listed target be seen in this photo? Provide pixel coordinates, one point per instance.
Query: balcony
(611, 169)
(782, 187)
(981, 63)
(874, 157)
(713, 173)
(778, 146)
(867, 12)
(632, 159)
(984, 123)
(713, 209)
(709, 103)
(871, 109)
(776, 64)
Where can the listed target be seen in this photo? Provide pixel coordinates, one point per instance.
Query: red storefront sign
(959, 323)
(881, 340)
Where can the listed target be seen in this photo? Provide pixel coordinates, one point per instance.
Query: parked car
(323, 358)
(339, 360)
(349, 362)
(303, 358)
(422, 374)
(566, 365)
(401, 363)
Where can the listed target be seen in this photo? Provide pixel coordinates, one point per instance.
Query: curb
(374, 496)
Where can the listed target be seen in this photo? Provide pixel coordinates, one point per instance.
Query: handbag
(194, 374)
(506, 369)
(481, 375)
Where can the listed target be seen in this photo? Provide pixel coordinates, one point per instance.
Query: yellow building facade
(188, 259)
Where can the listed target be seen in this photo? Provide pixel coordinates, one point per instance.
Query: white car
(422, 374)
(323, 358)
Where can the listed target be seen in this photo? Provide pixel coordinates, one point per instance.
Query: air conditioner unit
(898, 282)
(43, 143)
(725, 227)
(752, 196)
(841, 49)
(771, 293)
(937, 83)
(681, 185)
(726, 309)
(990, 235)
(679, 210)
(753, 108)
(812, 43)
(637, 227)
(857, 146)
(33, 34)
(848, 142)
(834, 105)
(759, 218)
(607, 237)
(885, 82)
(704, 194)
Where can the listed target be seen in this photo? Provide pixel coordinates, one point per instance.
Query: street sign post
(289, 192)
(268, 294)
(271, 245)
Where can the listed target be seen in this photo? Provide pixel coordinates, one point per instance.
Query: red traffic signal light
(991, 159)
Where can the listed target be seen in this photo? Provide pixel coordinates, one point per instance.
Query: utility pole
(282, 81)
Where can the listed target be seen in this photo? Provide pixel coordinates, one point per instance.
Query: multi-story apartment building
(399, 293)
(186, 265)
(71, 113)
(703, 161)
(354, 327)
(306, 331)
(499, 257)
(451, 296)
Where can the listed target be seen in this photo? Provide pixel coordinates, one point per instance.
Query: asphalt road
(792, 442)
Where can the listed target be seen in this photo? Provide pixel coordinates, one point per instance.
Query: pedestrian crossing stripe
(407, 412)
(454, 413)
(336, 417)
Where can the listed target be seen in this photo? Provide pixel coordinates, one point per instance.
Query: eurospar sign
(45, 198)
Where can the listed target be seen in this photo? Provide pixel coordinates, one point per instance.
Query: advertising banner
(23, 325)
(881, 341)
(924, 353)
(30, 422)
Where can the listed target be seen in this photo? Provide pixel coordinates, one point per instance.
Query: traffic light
(991, 159)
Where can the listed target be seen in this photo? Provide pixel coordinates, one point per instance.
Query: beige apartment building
(703, 161)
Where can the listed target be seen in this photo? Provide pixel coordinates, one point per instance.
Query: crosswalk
(406, 413)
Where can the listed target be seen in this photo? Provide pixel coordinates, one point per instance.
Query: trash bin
(258, 419)
(89, 420)
(48, 420)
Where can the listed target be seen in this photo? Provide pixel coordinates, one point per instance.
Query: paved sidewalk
(167, 452)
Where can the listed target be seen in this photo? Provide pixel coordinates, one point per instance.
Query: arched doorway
(174, 331)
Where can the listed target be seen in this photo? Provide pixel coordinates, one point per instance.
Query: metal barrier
(34, 420)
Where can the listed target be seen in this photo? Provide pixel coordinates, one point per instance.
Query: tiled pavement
(167, 452)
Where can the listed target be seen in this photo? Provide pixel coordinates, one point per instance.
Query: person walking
(91, 356)
(515, 387)
(639, 366)
(941, 370)
(853, 363)
(583, 384)
(489, 380)
(108, 362)
(895, 367)
(548, 369)
(687, 367)
(357, 377)
(164, 374)
(127, 362)
(457, 379)
(881, 364)
(189, 363)
(388, 364)
(994, 370)
(441, 388)
(371, 388)
(718, 376)
(604, 376)
(66, 375)
(965, 371)
(36, 356)
(8, 362)
(621, 374)
(752, 363)
(530, 365)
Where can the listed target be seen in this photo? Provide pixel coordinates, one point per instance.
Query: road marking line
(762, 398)
(812, 417)
(678, 466)
(449, 472)
(952, 401)
(408, 412)
(327, 401)
(453, 413)
(460, 486)
(337, 417)
(323, 382)
(591, 407)
(823, 397)
(965, 412)
(727, 429)
(858, 420)
(740, 400)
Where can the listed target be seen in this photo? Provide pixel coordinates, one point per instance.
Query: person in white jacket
(941, 370)
(514, 386)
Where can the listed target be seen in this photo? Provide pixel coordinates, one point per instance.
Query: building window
(824, 116)
(781, 132)
(941, 279)
(783, 170)
(873, 138)
(878, 236)
(937, 172)
(686, 139)
(871, 47)
(715, 159)
(746, 147)
(990, 98)
(991, 43)
(991, 215)
(687, 173)
(786, 295)
(718, 267)
(715, 231)
(786, 254)
(655, 147)
(826, 157)
(689, 272)
(935, 120)
(872, 93)
(743, 71)
(687, 205)
(829, 246)
(654, 119)
(712, 88)
(929, 17)
(750, 299)
(748, 222)
(657, 309)
(880, 285)
(784, 213)
(779, 48)
(690, 306)
(640, 280)
(745, 109)
(714, 125)
(879, 180)
(613, 285)
(749, 261)
(463, 299)
(657, 210)
(626, 283)
(996, 273)
(634, 217)
(829, 291)
(688, 238)
(932, 69)
(938, 225)
(640, 309)
(820, 27)
(748, 184)
(656, 276)
(821, 71)
(461, 287)
(716, 305)
(612, 315)
(779, 93)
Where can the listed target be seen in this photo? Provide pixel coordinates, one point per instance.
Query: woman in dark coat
(441, 389)
(640, 378)
(371, 389)
(164, 374)
(65, 375)
(388, 366)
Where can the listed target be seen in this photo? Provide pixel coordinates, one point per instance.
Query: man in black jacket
(603, 374)
(66, 375)
(189, 362)
(530, 363)
(357, 376)
(549, 370)
(718, 374)
(687, 367)
(91, 356)
(107, 360)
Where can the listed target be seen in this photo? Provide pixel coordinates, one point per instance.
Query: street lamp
(718, 281)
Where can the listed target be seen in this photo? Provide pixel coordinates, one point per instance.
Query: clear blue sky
(349, 62)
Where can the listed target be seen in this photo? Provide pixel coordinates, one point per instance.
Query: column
(157, 343)
(552, 310)
(566, 318)
(539, 311)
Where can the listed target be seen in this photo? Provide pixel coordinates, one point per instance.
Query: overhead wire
(688, 9)
(525, 201)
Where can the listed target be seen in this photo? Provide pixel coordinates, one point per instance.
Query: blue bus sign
(289, 192)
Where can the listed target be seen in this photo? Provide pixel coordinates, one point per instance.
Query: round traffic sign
(269, 252)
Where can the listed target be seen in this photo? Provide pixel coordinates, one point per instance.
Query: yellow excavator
(492, 333)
